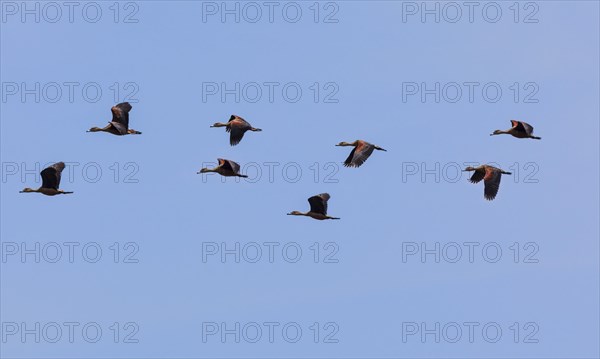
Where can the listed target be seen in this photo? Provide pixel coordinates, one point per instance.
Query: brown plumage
(359, 154)
(237, 127)
(491, 179)
(225, 168)
(318, 208)
(519, 129)
(120, 121)
(50, 181)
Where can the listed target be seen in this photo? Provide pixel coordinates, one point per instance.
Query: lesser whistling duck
(50, 181)
(120, 121)
(236, 126)
(362, 150)
(491, 179)
(225, 168)
(318, 208)
(519, 129)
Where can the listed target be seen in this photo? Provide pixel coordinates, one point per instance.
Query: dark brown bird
(318, 208)
(519, 129)
(225, 168)
(50, 181)
(120, 121)
(236, 126)
(491, 179)
(362, 150)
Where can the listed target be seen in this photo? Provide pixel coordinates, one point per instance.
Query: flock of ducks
(237, 127)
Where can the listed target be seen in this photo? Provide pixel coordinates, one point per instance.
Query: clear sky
(366, 70)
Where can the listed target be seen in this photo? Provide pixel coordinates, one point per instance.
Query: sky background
(163, 215)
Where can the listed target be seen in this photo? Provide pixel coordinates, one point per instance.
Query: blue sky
(366, 292)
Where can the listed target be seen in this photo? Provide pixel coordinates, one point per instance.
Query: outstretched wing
(233, 166)
(527, 127)
(348, 161)
(359, 154)
(237, 128)
(477, 175)
(520, 126)
(236, 136)
(491, 183)
(318, 203)
(121, 114)
(51, 175)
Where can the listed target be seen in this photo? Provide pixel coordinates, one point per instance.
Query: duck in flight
(318, 208)
(519, 129)
(120, 121)
(225, 168)
(362, 150)
(237, 127)
(50, 181)
(491, 179)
